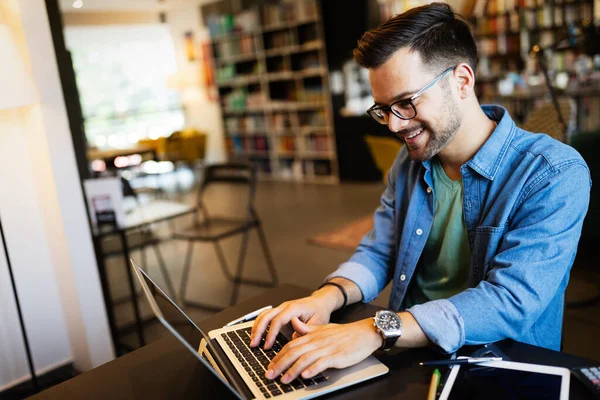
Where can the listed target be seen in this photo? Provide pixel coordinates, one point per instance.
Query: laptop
(226, 352)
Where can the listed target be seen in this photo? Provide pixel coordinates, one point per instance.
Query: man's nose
(395, 124)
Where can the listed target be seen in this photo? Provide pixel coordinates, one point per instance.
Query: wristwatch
(389, 326)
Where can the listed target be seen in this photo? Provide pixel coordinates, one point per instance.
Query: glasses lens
(379, 115)
(405, 109)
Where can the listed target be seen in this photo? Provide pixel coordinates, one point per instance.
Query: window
(121, 74)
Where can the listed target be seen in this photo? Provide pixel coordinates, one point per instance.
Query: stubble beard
(438, 137)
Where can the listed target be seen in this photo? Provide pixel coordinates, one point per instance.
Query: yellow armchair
(384, 151)
(188, 145)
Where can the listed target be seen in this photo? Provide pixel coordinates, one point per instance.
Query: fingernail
(285, 379)
(270, 374)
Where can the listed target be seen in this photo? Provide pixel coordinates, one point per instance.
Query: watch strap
(389, 343)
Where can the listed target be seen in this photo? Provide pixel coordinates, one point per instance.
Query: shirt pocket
(485, 247)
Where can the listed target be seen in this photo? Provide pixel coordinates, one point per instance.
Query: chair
(384, 151)
(214, 229)
(544, 118)
(138, 239)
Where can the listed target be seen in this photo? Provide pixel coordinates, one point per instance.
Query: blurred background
(224, 146)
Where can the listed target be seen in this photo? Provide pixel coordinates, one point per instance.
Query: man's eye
(402, 105)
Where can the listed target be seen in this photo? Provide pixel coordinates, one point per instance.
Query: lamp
(17, 90)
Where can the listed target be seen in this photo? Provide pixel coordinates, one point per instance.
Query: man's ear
(465, 78)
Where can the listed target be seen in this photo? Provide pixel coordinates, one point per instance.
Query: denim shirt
(525, 197)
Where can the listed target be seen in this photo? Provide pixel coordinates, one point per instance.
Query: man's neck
(475, 129)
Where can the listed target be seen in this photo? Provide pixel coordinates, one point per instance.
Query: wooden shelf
(252, 110)
(233, 35)
(237, 59)
(316, 45)
(305, 130)
(292, 75)
(241, 133)
(240, 81)
(287, 25)
(320, 155)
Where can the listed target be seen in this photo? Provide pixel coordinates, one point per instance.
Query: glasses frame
(389, 108)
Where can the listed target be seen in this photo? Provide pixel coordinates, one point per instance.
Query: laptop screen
(178, 323)
(173, 315)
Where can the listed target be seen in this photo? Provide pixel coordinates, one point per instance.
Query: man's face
(438, 115)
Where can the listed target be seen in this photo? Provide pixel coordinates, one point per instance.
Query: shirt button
(428, 190)
(402, 277)
(419, 232)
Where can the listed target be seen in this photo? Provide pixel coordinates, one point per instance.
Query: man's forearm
(334, 295)
(412, 334)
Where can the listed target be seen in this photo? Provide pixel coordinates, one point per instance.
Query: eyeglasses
(404, 108)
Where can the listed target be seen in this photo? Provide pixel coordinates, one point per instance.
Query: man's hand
(322, 347)
(314, 310)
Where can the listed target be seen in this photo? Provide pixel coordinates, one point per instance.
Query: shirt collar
(489, 157)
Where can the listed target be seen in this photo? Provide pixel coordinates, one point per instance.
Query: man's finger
(306, 355)
(301, 328)
(321, 364)
(305, 361)
(260, 325)
(275, 326)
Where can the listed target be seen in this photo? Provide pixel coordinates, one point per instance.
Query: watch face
(388, 321)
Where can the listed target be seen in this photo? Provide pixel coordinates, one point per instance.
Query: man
(477, 228)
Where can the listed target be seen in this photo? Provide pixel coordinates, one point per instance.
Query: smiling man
(478, 226)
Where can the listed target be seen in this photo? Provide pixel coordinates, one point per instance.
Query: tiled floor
(291, 213)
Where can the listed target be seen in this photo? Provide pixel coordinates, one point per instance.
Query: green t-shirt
(443, 269)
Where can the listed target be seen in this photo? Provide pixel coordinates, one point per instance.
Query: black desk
(165, 369)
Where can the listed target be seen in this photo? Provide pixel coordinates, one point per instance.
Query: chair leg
(183, 287)
(222, 261)
(240, 268)
(186, 272)
(163, 268)
(267, 252)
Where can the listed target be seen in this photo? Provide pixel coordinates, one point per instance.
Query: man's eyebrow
(399, 96)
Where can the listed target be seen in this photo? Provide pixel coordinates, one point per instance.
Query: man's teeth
(415, 134)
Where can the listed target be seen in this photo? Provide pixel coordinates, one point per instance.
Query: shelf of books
(506, 31)
(272, 75)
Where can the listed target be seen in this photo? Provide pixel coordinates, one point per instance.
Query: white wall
(45, 223)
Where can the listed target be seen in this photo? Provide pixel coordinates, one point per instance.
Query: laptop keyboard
(256, 360)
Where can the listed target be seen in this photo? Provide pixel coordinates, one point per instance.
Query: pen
(459, 361)
(444, 377)
(435, 381)
(247, 317)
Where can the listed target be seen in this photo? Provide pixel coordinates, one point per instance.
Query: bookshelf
(272, 77)
(506, 31)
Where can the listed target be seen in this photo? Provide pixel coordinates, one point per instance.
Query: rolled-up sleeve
(370, 268)
(441, 323)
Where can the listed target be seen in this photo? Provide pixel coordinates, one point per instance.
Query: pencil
(435, 381)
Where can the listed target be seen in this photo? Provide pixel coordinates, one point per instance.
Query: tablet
(506, 380)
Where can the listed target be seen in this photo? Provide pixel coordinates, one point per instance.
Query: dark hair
(434, 30)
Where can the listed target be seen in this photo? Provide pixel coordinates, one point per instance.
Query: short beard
(438, 139)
